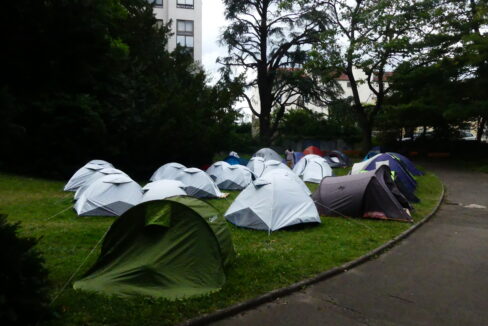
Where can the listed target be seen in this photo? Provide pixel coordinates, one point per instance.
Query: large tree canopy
(93, 79)
(370, 37)
(267, 42)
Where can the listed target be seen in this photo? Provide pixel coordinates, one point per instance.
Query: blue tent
(232, 160)
(407, 164)
(408, 183)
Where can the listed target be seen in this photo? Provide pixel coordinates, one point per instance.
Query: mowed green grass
(264, 262)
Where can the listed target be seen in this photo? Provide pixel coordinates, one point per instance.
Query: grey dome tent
(84, 173)
(198, 183)
(272, 202)
(167, 171)
(312, 168)
(172, 249)
(162, 189)
(95, 176)
(230, 177)
(371, 194)
(110, 195)
(268, 154)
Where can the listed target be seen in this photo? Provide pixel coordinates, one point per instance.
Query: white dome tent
(167, 171)
(111, 195)
(230, 177)
(95, 176)
(268, 154)
(256, 165)
(312, 168)
(162, 189)
(217, 169)
(84, 173)
(273, 165)
(272, 202)
(199, 184)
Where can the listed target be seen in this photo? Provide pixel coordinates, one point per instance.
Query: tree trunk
(366, 131)
(265, 132)
(481, 128)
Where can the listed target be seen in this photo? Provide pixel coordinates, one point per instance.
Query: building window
(156, 3)
(184, 34)
(187, 4)
(348, 84)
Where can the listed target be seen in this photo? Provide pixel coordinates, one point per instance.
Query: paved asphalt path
(437, 276)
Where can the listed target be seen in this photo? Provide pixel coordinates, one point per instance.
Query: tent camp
(371, 194)
(272, 202)
(312, 168)
(343, 158)
(198, 183)
(268, 154)
(313, 150)
(172, 249)
(167, 171)
(84, 173)
(162, 189)
(110, 195)
(93, 177)
(256, 165)
(230, 177)
(401, 175)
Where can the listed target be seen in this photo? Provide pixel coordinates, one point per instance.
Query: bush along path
(264, 262)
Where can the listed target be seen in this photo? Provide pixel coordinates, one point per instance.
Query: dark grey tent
(371, 194)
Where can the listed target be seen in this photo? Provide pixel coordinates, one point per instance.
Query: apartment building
(186, 18)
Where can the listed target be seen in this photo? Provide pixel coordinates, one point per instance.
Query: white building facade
(365, 93)
(186, 23)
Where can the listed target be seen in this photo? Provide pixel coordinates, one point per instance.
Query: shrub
(23, 278)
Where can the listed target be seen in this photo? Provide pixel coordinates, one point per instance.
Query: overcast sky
(213, 22)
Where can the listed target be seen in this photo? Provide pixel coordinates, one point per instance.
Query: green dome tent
(172, 249)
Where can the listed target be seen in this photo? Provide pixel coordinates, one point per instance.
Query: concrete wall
(169, 11)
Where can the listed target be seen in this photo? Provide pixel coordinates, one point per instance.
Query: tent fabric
(341, 156)
(268, 154)
(313, 150)
(371, 194)
(84, 173)
(111, 195)
(198, 183)
(167, 171)
(272, 202)
(280, 168)
(297, 156)
(335, 161)
(230, 177)
(256, 165)
(232, 160)
(93, 177)
(312, 168)
(162, 189)
(407, 164)
(403, 176)
(172, 249)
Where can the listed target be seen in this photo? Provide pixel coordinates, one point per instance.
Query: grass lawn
(264, 262)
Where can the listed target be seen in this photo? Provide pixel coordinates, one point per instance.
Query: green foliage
(84, 79)
(264, 262)
(23, 278)
(301, 124)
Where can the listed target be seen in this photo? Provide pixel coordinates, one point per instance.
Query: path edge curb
(281, 292)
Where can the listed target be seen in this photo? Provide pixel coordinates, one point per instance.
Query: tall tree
(370, 37)
(452, 84)
(266, 40)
